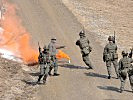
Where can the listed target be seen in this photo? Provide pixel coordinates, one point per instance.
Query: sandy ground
(48, 18)
(13, 78)
(103, 17)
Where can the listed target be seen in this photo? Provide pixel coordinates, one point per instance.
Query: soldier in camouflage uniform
(44, 61)
(125, 68)
(83, 43)
(53, 51)
(110, 56)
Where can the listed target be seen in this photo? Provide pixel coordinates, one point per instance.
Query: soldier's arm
(77, 42)
(88, 41)
(60, 47)
(105, 50)
(50, 48)
(116, 48)
(120, 65)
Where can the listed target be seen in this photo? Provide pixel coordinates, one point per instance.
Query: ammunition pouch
(108, 57)
(123, 74)
(115, 56)
(86, 50)
(130, 72)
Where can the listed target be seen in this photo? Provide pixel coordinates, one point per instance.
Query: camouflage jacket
(110, 48)
(44, 58)
(125, 63)
(40, 58)
(83, 42)
(52, 49)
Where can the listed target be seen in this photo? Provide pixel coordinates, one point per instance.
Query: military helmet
(82, 33)
(110, 38)
(124, 53)
(54, 38)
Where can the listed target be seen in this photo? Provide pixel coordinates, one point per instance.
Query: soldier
(110, 56)
(83, 44)
(53, 51)
(125, 68)
(44, 60)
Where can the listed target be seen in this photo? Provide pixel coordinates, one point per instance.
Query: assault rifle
(39, 48)
(60, 47)
(114, 38)
(131, 53)
(40, 60)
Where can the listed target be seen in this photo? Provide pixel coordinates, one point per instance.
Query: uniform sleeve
(120, 65)
(77, 42)
(116, 47)
(105, 50)
(88, 41)
(50, 48)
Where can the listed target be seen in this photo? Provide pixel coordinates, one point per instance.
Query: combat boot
(121, 90)
(44, 79)
(109, 77)
(39, 79)
(55, 74)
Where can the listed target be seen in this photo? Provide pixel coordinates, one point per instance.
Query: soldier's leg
(39, 79)
(41, 72)
(56, 68)
(108, 64)
(87, 61)
(46, 73)
(115, 63)
(123, 81)
(131, 81)
(50, 69)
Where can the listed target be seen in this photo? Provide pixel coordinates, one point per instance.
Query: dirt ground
(51, 18)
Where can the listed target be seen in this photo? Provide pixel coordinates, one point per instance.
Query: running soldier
(83, 44)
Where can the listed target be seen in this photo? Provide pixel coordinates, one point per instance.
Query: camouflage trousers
(115, 64)
(54, 65)
(131, 81)
(44, 69)
(123, 81)
(87, 61)
(123, 77)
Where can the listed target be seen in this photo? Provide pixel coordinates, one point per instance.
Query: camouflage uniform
(110, 56)
(83, 43)
(125, 68)
(53, 51)
(44, 64)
